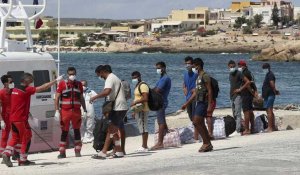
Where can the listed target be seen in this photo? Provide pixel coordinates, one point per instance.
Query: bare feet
(246, 132)
(157, 147)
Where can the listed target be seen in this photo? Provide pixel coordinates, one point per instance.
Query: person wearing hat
(269, 92)
(248, 90)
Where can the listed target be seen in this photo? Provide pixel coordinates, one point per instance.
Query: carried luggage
(171, 139)
(230, 125)
(260, 123)
(100, 132)
(186, 134)
(155, 100)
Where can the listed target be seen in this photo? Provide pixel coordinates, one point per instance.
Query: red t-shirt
(20, 103)
(62, 86)
(5, 101)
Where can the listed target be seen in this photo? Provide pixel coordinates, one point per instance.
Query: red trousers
(21, 133)
(5, 133)
(68, 116)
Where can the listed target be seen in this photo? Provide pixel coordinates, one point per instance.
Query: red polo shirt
(20, 103)
(5, 101)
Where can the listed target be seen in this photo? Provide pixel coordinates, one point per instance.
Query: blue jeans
(201, 109)
(236, 105)
(161, 115)
(269, 101)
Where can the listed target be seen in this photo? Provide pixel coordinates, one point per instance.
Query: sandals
(142, 150)
(96, 156)
(115, 156)
(207, 148)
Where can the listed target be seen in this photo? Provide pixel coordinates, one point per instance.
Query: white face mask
(265, 71)
(11, 85)
(135, 81)
(194, 70)
(231, 70)
(101, 79)
(158, 71)
(240, 69)
(84, 88)
(72, 77)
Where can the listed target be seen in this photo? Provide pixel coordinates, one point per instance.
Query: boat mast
(58, 37)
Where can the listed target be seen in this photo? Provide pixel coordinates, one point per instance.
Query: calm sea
(287, 73)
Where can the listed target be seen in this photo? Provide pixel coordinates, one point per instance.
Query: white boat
(17, 57)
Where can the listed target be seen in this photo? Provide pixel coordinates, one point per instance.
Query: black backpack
(230, 125)
(100, 132)
(215, 87)
(155, 100)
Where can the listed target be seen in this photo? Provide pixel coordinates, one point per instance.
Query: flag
(38, 23)
(35, 2)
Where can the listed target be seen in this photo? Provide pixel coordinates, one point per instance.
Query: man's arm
(245, 86)
(272, 84)
(102, 94)
(184, 89)
(142, 100)
(56, 101)
(45, 86)
(210, 94)
(190, 100)
(82, 101)
(1, 118)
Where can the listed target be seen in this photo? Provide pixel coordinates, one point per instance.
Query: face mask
(101, 79)
(72, 77)
(11, 85)
(240, 69)
(194, 70)
(158, 71)
(84, 88)
(265, 71)
(135, 81)
(232, 70)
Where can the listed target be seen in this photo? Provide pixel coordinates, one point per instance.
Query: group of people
(74, 107)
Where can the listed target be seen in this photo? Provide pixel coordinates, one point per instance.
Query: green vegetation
(50, 34)
(247, 30)
(275, 15)
(81, 42)
(242, 20)
(257, 19)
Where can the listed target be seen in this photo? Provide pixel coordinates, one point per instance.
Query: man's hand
(185, 91)
(92, 99)
(184, 107)
(59, 78)
(236, 91)
(2, 125)
(57, 116)
(84, 115)
(132, 104)
(277, 92)
(209, 109)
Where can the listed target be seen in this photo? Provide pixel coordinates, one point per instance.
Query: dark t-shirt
(266, 88)
(236, 81)
(246, 73)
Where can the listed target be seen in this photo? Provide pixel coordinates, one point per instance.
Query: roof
(172, 23)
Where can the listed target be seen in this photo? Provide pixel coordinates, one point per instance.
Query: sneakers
(100, 156)
(142, 150)
(61, 156)
(7, 161)
(26, 163)
(77, 154)
(87, 140)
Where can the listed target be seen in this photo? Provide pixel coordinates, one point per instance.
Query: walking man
(140, 107)
(236, 80)
(20, 107)
(68, 101)
(88, 121)
(203, 95)
(189, 84)
(269, 92)
(163, 87)
(248, 90)
(113, 91)
(5, 103)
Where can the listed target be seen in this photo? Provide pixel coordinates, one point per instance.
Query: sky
(128, 9)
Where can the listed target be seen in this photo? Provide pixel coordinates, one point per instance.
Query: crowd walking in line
(74, 107)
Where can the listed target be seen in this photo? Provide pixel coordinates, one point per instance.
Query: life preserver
(70, 97)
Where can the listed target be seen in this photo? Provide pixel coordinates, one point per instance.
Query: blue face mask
(265, 71)
(135, 81)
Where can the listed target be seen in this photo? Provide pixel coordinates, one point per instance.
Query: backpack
(100, 132)
(127, 89)
(215, 87)
(155, 100)
(230, 125)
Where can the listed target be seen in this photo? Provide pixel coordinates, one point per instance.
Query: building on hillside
(139, 28)
(196, 18)
(296, 13)
(240, 6)
(222, 16)
(265, 11)
(106, 36)
(286, 7)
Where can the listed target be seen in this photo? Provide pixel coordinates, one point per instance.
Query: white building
(296, 13)
(266, 12)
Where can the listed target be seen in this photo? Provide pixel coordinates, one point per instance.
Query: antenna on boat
(58, 37)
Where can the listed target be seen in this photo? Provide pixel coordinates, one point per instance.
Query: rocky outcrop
(289, 51)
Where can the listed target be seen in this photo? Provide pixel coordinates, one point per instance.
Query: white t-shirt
(113, 82)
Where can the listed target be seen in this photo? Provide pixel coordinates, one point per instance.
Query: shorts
(161, 116)
(190, 110)
(116, 118)
(142, 121)
(247, 103)
(269, 102)
(68, 116)
(201, 109)
(213, 106)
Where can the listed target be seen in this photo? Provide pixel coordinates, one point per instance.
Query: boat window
(41, 77)
(16, 76)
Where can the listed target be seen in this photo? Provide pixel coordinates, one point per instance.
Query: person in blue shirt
(189, 83)
(163, 87)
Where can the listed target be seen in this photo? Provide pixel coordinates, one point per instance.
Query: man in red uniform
(20, 106)
(69, 98)
(5, 95)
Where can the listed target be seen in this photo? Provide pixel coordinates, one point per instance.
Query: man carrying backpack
(248, 90)
(140, 107)
(204, 97)
(163, 87)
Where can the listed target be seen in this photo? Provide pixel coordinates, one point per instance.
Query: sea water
(287, 73)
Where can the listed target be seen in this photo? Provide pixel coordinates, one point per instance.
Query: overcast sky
(129, 9)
